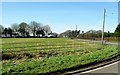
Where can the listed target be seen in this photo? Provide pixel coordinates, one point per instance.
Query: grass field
(44, 55)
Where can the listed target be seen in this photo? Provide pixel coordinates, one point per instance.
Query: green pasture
(44, 55)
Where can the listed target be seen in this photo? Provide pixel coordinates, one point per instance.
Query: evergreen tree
(117, 31)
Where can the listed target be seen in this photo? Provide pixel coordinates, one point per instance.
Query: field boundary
(97, 65)
(87, 67)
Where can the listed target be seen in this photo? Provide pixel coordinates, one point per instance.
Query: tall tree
(40, 32)
(117, 31)
(10, 32)
(82, 33)
(15, 27)
(5, 31)
(47, 29)
(23, 28)
(27, 34)
(34, 27)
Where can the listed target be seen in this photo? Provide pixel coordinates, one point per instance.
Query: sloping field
(45, 55)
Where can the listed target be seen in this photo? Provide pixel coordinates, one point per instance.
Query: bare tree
(40, 26)
(15, 27)
(34, 27)
(47, 29)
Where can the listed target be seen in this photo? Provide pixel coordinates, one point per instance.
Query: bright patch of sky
(62, 16)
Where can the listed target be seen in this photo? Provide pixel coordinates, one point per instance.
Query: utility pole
(103, 26)
(76, 27)
(76, 31)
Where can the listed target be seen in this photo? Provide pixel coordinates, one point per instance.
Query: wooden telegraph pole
(103, 26)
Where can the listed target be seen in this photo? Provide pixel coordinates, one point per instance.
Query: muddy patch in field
(8, 56)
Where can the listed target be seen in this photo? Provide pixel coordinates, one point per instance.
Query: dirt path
(110, 43)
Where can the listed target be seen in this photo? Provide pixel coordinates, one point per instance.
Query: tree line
(91, 34)
(39, 30)
(25, 30)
